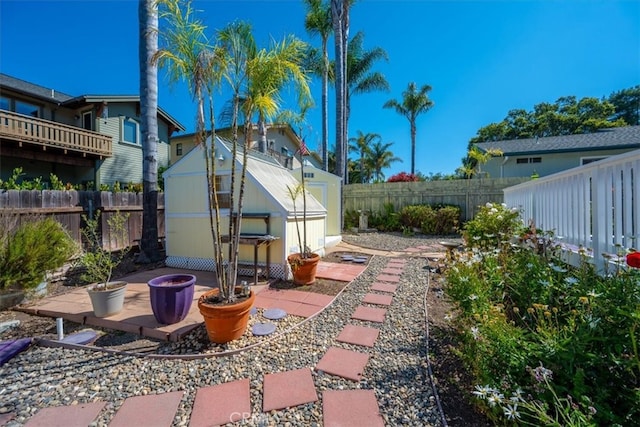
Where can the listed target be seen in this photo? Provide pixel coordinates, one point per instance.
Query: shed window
(179, 149)
(223, 191)
(523, 160)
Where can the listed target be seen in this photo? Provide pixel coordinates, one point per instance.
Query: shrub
(35, 247)
(520, 312)
(494, 225)
(431, 220)
(403, 177)
(351, 219)
(387, 220)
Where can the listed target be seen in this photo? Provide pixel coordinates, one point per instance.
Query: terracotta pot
(225, 322)
(304, 269)
(107, 301)
(171, 296)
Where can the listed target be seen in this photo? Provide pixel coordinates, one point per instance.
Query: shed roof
(267, 174)
(604, 139)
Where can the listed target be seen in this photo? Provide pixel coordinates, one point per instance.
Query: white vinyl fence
(596, 206)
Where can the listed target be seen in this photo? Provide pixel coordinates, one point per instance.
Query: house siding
(508, 166)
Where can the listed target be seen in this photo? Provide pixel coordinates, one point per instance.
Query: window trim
(227, 192)
(125, 119)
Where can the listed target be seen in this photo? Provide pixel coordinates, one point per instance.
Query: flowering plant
(633, 259)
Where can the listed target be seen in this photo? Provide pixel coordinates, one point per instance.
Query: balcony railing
(23, 128)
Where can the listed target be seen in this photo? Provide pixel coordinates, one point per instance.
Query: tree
(567, 116)
(360, 78)
(414, 102)
(318, 21)
(472, 164)
(627, 105)
(360, 145)
(148, 45)
(381, 158)
(340, 21)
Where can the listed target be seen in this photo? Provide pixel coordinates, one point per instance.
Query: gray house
(80, 139)
(546, 156)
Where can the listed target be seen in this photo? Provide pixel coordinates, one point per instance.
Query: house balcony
(27, 133)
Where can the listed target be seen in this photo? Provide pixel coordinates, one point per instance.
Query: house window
(179, 149)
(87, 120)
(223, 191)
(523, 160)
(27, 109)
(129, 131)
(5, 103)
(309, 175)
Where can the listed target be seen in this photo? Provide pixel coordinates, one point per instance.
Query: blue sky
(482, 58)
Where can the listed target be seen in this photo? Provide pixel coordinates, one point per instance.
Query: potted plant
(304, 263)
(171, 296)
(256, 77)
(107, 297)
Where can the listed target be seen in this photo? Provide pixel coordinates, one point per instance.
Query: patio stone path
(231, 401)
(289, 388)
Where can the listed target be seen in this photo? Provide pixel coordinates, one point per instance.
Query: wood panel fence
(464, 193)
(68, 208)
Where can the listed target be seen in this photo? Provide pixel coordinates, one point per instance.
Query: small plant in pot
(107, 296)
(304, 263)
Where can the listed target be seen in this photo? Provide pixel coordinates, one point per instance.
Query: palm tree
(381, 158)
(340, 21)
(318, 21)
(360, 144)
(148, 45)
(189, 57)
(360, 78)
(414, 102)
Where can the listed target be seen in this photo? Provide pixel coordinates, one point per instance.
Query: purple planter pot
(171, 297)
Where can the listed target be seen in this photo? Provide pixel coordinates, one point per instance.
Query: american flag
(304, 151)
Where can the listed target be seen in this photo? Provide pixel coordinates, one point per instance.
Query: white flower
(504, 205)
(571, 280)
(475, 332)
(511, 412)
(489, 204)
(482, 391)
(495, 398)
(473, 297)
(448, 317)
(499, 217)
(592, 293)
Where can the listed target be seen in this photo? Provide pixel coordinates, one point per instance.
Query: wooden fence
(68, 208)
(464, 193)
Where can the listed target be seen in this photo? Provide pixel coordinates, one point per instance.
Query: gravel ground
(397, 369)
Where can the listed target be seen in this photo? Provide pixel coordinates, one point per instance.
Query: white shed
(268, 209)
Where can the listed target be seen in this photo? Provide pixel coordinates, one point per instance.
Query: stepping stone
(263, 329)
(397, 261)
(388, 278)
(221, 404)
(5, 418)
(350, 408)
(392, 271)
(149, 410)
(347, 258)
(288, 389)
(412, 250)
(359, 335)
(384, 287)
(359, 260)
(274, 313)
(370, 314)
(343, 363)
(66, 416)
(253, 311)
(83, 337)
(377, 299)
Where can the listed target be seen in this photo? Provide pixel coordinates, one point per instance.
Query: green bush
(386, 220)
(28, 252)
(431, 220)
(494, 225)
(351, 219)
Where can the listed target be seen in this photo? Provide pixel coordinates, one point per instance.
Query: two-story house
(87, 139)
(282, 144)
(545, 156)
